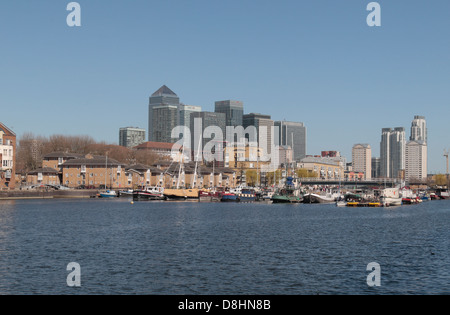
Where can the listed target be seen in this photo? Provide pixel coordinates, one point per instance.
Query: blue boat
(247, 195)
(229, 197)
(108, 194)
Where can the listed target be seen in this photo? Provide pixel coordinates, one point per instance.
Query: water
(212, 248)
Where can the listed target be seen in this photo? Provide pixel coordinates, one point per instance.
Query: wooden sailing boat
(180, 191)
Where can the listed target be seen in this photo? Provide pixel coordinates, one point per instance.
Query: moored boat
(150, 193)
(390, 197)
(229, 197)
(181, 193)
(108, 194)
(287, 194)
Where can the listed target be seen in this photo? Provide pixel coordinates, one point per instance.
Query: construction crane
(446, 155)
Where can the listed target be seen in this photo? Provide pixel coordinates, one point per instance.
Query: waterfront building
(292, 134)
(161, 98)
(94, 172)
(362, 159)
(131, 136)
(233, 110)
(43, 176)
(392, 152)
(260, 120)
(286, 155)
(7, 158)
(324, 168)
(416, 160)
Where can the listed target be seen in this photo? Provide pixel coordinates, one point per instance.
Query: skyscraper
(259, 120)
(419, 129)
(292, 134)
(392, 152)
(362, 159)
(165, 119)
(199, 122)
(233, 110)
(416, 160)
(185, 114)
(131, 136)
(162, 97)
(416, 153)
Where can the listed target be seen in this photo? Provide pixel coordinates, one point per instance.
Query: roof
(64, 155)
(158, 145)
(93, 162)
(164, 90)
(6, 130)
(320, 160)
(44, 170)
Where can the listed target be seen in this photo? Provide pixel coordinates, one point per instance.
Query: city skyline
(314, 62)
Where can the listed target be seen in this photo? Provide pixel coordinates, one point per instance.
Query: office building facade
(416, 160)
(291, 134)
(185, 112)
(161, 98)
(263, 137)
(233, 110)
(392, 152)
(362, 159)
(131, 136)
(165, 119)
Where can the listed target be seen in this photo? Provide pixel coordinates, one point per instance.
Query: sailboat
(180, 192)
(341, 201)
(107, 193)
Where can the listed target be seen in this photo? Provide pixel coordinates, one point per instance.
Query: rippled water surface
(214, 248)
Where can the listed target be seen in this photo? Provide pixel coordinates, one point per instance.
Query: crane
(446, 155)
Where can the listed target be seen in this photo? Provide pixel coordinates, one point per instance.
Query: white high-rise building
(392, 152)
(416, 160)
(416, 155)
(419, 129)
(362, 159)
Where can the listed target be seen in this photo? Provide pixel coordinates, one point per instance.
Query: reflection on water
(215, 248)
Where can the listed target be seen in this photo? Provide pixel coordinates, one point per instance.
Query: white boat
(341, 203)
(390, 197)
(108, 194)
(315, 198)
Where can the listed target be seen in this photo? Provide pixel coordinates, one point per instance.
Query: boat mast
(106, 172)
(196, 162)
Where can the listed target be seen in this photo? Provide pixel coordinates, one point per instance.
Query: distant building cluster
(399, 158)
(166, 111)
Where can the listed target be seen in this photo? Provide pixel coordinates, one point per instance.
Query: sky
(316, 62)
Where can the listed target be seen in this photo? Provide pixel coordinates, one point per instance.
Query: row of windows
(7, 163)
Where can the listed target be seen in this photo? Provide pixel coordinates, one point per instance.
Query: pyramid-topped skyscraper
(162, 114)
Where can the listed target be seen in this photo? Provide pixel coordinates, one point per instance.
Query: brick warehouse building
(7, 158)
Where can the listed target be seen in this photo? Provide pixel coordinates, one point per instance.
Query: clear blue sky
(312, 61)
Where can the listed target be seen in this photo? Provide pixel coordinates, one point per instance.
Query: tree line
(31, 149)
